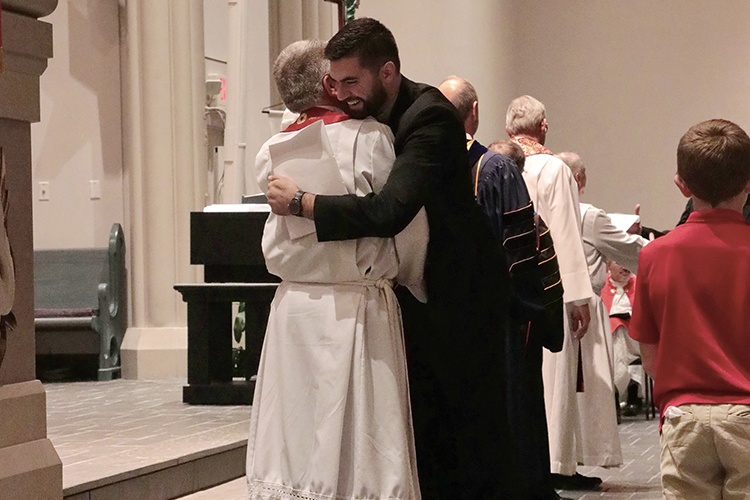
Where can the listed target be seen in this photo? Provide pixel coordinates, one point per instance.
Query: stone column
(29, 465)
(164, 157)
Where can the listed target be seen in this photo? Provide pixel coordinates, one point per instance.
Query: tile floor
(106, 428)
(103, 429)
(637, 479)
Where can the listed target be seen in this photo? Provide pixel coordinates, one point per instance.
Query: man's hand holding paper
(303, 161)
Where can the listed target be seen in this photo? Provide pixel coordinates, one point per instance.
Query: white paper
(238, 207)
(624, 221)
(307, 158)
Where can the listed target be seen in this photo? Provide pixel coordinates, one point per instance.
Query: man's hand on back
(281, 190)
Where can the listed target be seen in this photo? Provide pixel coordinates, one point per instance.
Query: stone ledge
(169, 479)
(154, 353)
(30, 471)
(26, 401)
(27, 45)
(26, 36)
(30, 8)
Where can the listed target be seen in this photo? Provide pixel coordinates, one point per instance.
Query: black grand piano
(228, 245)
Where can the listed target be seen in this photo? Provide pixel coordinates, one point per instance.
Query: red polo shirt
(693, 299)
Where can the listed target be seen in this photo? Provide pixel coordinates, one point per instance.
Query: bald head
(463, 96)
(575, 163)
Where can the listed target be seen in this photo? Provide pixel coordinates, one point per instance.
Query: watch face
(295, 206)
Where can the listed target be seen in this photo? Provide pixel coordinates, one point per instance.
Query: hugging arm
(421, 151)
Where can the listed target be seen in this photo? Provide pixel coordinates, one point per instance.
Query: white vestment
(626, 350)
(602, 241)
(331, 414)
(555, 195)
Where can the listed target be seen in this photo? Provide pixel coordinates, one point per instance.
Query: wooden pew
(84, 290)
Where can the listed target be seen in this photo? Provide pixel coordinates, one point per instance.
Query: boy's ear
(683, 187)
(747, 187)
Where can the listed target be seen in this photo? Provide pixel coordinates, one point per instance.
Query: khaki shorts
(705, 452)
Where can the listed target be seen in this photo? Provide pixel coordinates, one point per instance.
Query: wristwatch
(295, 205)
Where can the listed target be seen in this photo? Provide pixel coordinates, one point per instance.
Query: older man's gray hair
(524, 116)
(299, 71)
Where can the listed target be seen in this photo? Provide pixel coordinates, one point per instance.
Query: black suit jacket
(430, 171)
(455, 345)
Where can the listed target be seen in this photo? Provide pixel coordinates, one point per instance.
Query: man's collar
(330, 107)
(385, 113)
(530, 145)
(476, 151)
(327, 114)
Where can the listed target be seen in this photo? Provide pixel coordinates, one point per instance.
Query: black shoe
(575, 482)
(554, 496)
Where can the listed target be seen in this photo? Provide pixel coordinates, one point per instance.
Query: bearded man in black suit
(454, 342)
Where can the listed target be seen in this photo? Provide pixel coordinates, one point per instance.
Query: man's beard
(371, 103)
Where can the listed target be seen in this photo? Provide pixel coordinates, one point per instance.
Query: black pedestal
(210, 340)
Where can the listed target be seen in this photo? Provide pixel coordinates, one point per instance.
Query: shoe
(575, 482)
(554, 496)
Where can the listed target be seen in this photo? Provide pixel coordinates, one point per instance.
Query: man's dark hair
(369, 40)
(713, 159)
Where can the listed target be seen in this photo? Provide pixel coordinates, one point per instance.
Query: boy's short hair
(713, 159)
(511, 150)
(372, 43)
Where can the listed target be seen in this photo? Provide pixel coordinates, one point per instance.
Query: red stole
(530, 146)
(313, 115)
(608, 293)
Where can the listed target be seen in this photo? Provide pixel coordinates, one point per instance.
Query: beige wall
(449, 38)
(79, 136)
(627, 79)
(622, 81)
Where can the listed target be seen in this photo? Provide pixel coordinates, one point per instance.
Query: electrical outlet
(95, 190)
(44, 191)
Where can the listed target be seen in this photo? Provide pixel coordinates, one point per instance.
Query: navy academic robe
(536, 318)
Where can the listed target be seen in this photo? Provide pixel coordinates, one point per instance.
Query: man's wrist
(308, 206)
(295, 204)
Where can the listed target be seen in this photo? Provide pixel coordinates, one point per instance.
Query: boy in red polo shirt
(692, 319)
